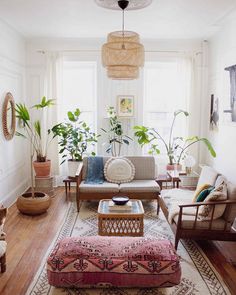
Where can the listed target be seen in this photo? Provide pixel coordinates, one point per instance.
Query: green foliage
(176, 147)
(75, 137)
(116, 136)
(32, 130)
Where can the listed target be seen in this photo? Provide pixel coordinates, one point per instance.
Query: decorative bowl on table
(120, 200)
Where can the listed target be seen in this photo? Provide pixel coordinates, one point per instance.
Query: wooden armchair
(183, 215)
(214, 229)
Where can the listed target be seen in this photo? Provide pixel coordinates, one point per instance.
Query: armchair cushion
(208, 175)
(218, 194)
(140, 186)
(199, 190)
(105, 187)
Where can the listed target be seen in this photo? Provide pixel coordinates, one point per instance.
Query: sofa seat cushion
(105, 187)
(113, 261)
(140, 186)
(176, 196)
(188, 223)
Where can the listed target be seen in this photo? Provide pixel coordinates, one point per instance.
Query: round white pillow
(119, 170)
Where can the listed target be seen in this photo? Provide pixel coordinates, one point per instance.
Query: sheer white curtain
(168, 86)
(53, 90)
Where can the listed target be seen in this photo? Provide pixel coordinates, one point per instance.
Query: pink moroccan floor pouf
(113, 261)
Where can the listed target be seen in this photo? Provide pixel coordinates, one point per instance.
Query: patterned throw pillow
(119, 170)
(198, 191)
(218, 194)
(203, 194)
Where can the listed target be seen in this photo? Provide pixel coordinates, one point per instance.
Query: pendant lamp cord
(123, 28)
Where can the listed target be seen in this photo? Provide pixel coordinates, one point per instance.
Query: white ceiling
(163, 19)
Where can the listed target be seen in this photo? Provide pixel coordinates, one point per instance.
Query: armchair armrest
(197, 205)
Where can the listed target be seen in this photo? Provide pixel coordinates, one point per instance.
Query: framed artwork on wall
(125, 105)
(214, 113)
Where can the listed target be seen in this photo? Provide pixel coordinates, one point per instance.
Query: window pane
(165, 89)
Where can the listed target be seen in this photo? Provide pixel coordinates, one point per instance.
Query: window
(80, 90)
(166, 89)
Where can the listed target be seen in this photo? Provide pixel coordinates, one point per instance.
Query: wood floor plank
(30, 237)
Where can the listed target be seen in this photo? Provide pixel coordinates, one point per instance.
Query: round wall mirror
(9, 117)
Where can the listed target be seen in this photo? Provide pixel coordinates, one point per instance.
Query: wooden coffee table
(120, 223)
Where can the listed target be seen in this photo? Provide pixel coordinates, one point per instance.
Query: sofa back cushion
(208, 175)
(144, 166)
(230, 211)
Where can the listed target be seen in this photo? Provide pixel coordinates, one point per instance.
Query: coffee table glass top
(137, 208)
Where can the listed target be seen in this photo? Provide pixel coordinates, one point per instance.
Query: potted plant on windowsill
(33, 131)
(116, 136)
(75, 139)
(33, 202)
(176, 147)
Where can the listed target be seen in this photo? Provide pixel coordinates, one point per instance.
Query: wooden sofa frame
(226, 234)
(80, 196)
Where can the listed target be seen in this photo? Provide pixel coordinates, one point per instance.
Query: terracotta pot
(173, 167)
(72, 167)
(42, 169)
(33, 206)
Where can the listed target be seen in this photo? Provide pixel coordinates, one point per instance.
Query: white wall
(222, 53)
(14, 172)
(107, 89)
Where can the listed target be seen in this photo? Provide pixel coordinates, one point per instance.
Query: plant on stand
(76, 138)
(34, 203)
(176, 147)
(39, 138)
(116, 136)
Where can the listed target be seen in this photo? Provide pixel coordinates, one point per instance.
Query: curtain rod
(97, 50)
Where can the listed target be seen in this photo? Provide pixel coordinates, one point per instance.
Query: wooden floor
(29, 238)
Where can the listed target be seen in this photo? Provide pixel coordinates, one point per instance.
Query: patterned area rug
(198, 275)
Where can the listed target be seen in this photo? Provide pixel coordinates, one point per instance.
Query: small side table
(67, 182)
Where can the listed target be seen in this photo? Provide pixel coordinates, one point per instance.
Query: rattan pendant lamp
(123, 54)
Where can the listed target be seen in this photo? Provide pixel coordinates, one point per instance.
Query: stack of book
(120, 208)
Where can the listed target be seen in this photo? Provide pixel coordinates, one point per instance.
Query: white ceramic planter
(72, 168)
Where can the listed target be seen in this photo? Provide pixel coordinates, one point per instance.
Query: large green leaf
(37, 127)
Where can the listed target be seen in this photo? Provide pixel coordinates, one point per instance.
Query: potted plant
(176, 147)
(33, 131)
(33, 203)
(116, 136)
(75, 139)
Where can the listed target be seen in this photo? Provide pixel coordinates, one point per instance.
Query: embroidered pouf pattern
(113, 261)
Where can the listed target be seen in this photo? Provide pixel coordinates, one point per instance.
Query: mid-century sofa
(143, 186)
(183, 214)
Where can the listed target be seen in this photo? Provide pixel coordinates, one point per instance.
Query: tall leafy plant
(33, 132)
(176, 147)
(115, 133)
(32, 129)
(75, 137)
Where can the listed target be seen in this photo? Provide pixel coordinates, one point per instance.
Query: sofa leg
(3, 263)
(176, 242)
(158, 207)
